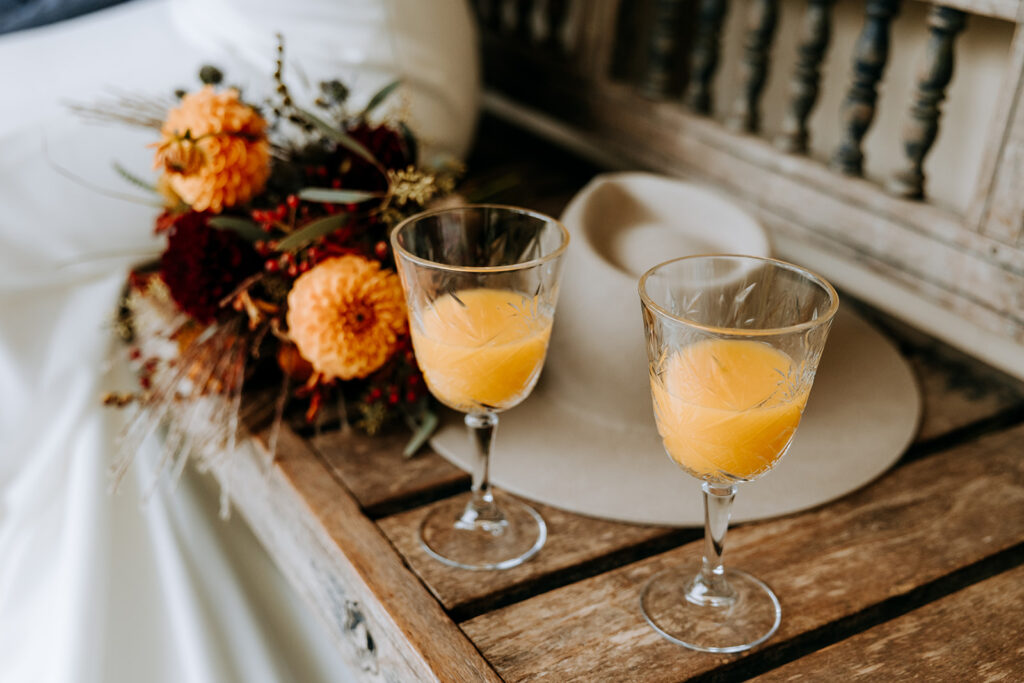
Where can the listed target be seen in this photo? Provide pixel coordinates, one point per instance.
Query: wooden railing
(635, 80)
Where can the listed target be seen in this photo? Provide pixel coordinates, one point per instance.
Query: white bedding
(96, 587)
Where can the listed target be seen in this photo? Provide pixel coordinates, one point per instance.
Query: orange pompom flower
(346, 315)
(214, 151)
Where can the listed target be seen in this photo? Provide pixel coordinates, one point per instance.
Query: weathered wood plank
(384, 621)
(924, 521)
(956, 390)
(971, 635)
(573, 541)
(998, 207)
(921, 246)
(377, 474)
(1007, 10)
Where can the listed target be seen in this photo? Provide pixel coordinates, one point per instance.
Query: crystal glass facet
(733, 344)
(481, 283)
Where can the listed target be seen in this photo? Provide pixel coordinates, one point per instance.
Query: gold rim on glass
(737, 331)
(399, 249)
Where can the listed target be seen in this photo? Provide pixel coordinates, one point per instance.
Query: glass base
(679, 607)
(499, 535)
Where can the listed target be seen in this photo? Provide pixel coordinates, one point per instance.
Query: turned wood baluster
(662, 47)
(806, 76)
(524, 19)
(489, 12)
(704, 56)
(557, 14)
(922, 124)
(761, 21)
(869, 58)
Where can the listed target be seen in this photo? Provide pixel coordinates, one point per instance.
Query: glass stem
(710, 586)
(481, 511)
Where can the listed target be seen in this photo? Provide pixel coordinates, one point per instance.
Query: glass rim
(522, 265)
(737, 331)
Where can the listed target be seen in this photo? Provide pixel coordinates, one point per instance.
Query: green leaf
(379, 98)
(339, 136)
(246, 229)
(424, 429)
(134, 179)
(311, 231)
(332, 196)
(408, 137)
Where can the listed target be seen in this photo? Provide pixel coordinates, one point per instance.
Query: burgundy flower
(202, 265)
(387, 145)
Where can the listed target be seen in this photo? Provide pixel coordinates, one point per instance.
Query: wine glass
(733, 344)
(481, 283)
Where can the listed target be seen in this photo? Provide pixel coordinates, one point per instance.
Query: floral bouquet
(276, 286)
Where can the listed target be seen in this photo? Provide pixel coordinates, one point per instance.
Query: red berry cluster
(399, 382)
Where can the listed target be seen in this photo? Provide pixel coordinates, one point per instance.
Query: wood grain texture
(385, 623)
(573, 541)
(916, 525)
(971, 635)
(377, 474)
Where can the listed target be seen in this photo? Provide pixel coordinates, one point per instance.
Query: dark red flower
(202, 265)
(387, 145)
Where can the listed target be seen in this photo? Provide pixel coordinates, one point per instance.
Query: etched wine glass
(733, 343)
(481, 283)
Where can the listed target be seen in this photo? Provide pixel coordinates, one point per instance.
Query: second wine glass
(733, 344)
(481, 284)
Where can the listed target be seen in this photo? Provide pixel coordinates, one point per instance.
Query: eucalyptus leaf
(134, 179)
(424, 429)
(312, 231)
(246, 229)
(340, 136)
(379, 98)
(332, 196)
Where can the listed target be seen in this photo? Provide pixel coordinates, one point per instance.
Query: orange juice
(727, 409)
(481, 349)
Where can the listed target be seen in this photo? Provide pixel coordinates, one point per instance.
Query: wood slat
(377, 474)
(956, 390)
(1008, 10)
(918, 245)
(383, 620)
(574, 541)
(971, 635)
(997, 207)
(918, 524)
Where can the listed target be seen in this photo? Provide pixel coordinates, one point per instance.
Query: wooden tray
(935, 544)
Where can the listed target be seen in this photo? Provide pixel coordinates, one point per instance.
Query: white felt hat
(586, 441)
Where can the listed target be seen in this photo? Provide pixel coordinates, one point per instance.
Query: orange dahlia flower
(346, 315)
(214, 150)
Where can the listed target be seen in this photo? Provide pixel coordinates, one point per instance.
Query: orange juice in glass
(481, 283)
(733, 343)
(482, 349)
(727, 408)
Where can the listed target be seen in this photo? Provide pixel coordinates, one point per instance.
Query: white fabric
(96, 587)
